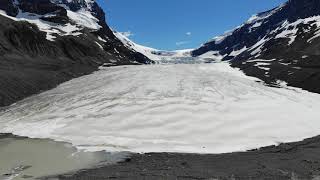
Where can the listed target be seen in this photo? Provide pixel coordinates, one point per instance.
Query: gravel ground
(299, 160)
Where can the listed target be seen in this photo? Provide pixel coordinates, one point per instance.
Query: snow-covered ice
(198, 108)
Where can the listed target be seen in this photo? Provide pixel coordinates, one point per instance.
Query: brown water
(23, 158)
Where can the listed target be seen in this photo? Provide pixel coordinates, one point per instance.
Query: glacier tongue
(198, 108)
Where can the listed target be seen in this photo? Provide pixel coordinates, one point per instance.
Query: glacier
(189, 108)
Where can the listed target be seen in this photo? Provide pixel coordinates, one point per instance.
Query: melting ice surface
(197, 108)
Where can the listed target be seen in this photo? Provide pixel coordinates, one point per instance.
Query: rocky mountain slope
(280, 44)
(46, 42)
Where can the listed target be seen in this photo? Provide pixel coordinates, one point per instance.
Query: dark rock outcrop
(9, 7)
(40, 7)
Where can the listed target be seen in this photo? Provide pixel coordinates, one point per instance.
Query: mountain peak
(279, 44)
(57, 17)
(47, 42)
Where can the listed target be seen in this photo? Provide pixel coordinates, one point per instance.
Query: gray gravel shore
(299, 160)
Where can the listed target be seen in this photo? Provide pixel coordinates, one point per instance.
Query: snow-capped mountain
(280, 44)
(46, 42)
(57, 17)
(151, 53)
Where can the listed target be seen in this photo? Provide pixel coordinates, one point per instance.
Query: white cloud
(188, 33)
(127, 34)
(180, 43)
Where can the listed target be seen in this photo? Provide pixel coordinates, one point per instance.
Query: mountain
(280, 44)
(46, 42)
(152, 53)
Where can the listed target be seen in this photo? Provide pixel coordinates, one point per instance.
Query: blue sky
(179, 24)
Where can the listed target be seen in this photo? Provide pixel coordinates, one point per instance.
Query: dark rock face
(74, 5)
(9, 7)
(280, 44)
(40, 7)
(30, 63)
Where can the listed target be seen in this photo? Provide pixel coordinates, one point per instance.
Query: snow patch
(260, 60)
(84, 18)
(101, 47)
(261, 65)
(214, 55)
(238, 52)
(256, 25)
(100, 38)
(257, 48)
